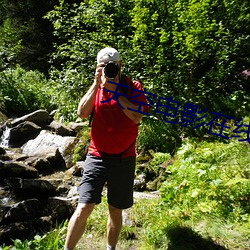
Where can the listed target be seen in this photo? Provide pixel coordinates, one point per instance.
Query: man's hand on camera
(98, 74)
(106, 84)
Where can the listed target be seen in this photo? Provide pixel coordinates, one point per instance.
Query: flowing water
(4, 140)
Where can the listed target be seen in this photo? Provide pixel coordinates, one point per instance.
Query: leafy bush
(24, 91)
(81, 148)
(188, 50)
(158, 135)
(53, 240)
(204, 200)
(210, 178)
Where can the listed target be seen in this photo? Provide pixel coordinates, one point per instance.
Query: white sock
(110, 247)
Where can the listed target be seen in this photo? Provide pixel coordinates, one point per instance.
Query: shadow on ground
(184, 238)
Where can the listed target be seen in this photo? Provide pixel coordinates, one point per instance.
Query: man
(111, 154)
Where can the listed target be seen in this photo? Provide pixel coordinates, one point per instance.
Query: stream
(4, 139)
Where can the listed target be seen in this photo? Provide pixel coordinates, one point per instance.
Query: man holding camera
(112, 100)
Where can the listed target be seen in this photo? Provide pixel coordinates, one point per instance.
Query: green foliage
(211, 178)
(159, 158)
(191, 51)
(26, 38)
(65, 96)
(82, 31)
(82, 146)
(154, 169)
(52, 240)
(24, 91)
(10, 44)
(158, 135)
(204, 200)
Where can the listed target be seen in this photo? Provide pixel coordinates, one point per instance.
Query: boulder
(48, 142)
(42, 165)
(76, 170)
(4, 158)
(23, 211)
(3, 210)
(17, 230)
(44, 223)
(25, 230)
(16, 169)
(2, 151)
(61, 208)
(3, 118)
(44, 159)
(140, 182)
(35, 187)
(22, 133)
(61, 129)
(73, 193)
(39, 117)
(78, 126)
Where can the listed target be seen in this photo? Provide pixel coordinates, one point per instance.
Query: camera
(111, 69)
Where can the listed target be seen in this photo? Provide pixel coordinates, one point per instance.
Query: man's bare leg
(114, 226)
(77, 224)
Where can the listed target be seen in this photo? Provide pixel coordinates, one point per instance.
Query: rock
(55, 159)
(39, 117)
(73, 192)
(2, 151)
(35, 174)
(4, 158)
(23, 211)
(35, 187)
(3, 118)
(140, 182)
(47, 141)
(16, 169)
(17, 230)
(61, 129)
(76, 170)
(49, 153)
(60, 208)
(3, 210)
(42, 165)
(23, 132)
(44, 223)
(78, 126)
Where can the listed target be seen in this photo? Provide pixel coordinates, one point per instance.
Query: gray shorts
(117, 173)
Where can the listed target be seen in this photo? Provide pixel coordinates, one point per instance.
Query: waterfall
(4, 140)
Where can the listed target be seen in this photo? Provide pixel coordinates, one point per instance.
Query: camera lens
(111, 69)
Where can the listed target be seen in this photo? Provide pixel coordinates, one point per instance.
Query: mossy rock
(3, 117)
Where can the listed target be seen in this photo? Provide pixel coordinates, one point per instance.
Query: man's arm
(86, 104)
(134, 116)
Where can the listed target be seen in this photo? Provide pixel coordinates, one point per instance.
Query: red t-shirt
(112, 132)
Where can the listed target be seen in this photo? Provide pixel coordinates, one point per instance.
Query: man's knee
(83, 210)
(113, 211)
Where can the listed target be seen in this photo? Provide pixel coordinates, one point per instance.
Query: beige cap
(108, 54)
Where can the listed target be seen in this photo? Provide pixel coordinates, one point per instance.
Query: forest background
(194, 51)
